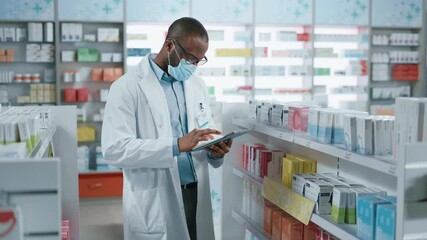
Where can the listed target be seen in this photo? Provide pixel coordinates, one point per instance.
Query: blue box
(366, 216)
(386, 222)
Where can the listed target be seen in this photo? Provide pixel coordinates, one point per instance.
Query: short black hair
(187, 27)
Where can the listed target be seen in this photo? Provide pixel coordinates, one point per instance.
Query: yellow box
(310, 165)
(86, 134)
(290, 166)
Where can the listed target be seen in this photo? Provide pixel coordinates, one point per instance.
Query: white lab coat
(137, 136)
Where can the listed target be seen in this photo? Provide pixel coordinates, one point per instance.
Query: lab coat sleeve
(120, 145)
(213, 161)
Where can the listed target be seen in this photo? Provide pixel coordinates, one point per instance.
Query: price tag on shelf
(294, 204)
(347, 156)
(392, 170)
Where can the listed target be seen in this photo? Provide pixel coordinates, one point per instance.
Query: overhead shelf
(382, 164)
(253, 227)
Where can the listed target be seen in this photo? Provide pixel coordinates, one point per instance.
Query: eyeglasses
(189, 58)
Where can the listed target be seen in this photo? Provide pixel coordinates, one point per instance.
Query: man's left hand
(220, 149)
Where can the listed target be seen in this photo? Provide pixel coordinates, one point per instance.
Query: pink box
(298, 118)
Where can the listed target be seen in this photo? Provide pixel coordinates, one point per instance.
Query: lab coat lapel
(191, 104)
(159, 108)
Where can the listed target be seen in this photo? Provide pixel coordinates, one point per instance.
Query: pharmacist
(153, 116)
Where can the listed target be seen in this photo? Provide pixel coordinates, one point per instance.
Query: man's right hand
(189, 141)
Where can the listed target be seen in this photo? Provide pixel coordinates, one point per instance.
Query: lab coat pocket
(146, 215)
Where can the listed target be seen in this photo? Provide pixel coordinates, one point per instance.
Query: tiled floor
(101, 219)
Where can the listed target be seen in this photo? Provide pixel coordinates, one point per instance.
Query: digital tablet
(205, 144)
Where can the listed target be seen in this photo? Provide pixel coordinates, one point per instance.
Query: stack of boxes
(39, 93)
(234, 52)
(40, 53)
(106, 74)
(405, 72)
(7, 55)
(380, 72)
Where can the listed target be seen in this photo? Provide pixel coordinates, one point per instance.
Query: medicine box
(313, 123)
(364, 135)
(265, 112)
(290, 167)
(276, 230)
(254, 110)
(269, 209)
(309, 165)
(277, 114)
(320, 192)
(274, 168)
(366, 216)
(339, 205)
(326, 118)
(309, 231)
(350, 211)
(386, 222)
(338, 127)
(299, 180)
(292, 228)
(298, 118)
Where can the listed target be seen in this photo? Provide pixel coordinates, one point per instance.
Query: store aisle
(101, 219)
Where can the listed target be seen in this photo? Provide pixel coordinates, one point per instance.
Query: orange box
(10, 52)
(100, 185)
(10, 58)
(292, 229)
(276, 231)
(309, 231)
(108, 75)
(97, 74)
(2, 52)
(118, 72)
(269, 208)
(318, 233)
(3, 58)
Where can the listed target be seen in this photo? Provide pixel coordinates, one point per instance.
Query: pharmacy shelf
(382, 164)
(342, 231)
(43, 143)
(250, 177)
(250, 225)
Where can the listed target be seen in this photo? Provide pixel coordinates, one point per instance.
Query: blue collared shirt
(175, 97)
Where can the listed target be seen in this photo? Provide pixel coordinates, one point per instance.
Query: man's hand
(220, 149)
(189, 141)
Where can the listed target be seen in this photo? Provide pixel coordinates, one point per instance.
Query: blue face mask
(181, 72)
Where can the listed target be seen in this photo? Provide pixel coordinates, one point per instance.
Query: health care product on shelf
(411, 121)
(385, 225)
(20, 130)
(252, 202)
(262, 161)
(367, 216)
(294, 163)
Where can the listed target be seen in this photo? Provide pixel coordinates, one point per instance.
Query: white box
(265, 112)
(254, 110)
(299, 180)
(378, 127)
(67, 56)
(9, 34)
(78, 32)
(64, 32)
(48, 32)
(414, 120)
(350, 132)
(38, 32)
(113, 35)
(106, 57)
(103, 95)
(339, 204)
(2, 35)
(21, 35)
(364, 135)
(117, 57)
(313, 123)
(285, 116)
(103, 35)
(277, 115)
(326, 118)
(320, 192)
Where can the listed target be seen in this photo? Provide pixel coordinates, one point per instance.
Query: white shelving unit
(382, 164)
(343, 231)
(255, 229)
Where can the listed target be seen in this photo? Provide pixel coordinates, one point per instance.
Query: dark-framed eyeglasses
(189, 58)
